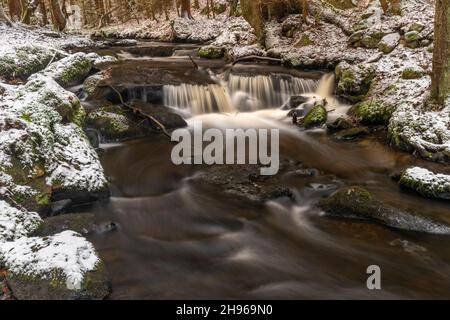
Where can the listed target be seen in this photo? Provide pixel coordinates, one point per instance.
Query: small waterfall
(199, 99)
(270, 91)
(243, 93)
(326, 86)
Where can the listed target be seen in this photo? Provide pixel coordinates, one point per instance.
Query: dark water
(178, 241)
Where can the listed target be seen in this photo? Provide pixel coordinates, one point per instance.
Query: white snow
(428, 178)
(66, 256)
(15, 223)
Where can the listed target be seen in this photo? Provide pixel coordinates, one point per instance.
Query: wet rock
(356, 202)
(59, 207)
(294, 102)
(60, 267)
(94, 89)
(82, 223)
(352, 133)
(112, 123)
(211, 52)
(353, 80)
(244, 182)
(389, 42)
(371, 112)
(339, 124)
(413, 73)
(316, 117)
(162, 114)
(426, 183)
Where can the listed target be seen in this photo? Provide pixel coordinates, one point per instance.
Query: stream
(178, 240)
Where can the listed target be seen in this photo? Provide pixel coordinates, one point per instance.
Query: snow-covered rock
(195, 31)
(15, 223)
(427, 183)
(63, 266)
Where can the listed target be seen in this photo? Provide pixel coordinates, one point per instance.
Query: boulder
(211, 52)
(426, 183)
(195, 31)
(412, 39)
(70, 70)
(413, 73)
(316, 117)
(371, 112)
(353, 81)
(356, 202)
(22, 61)
(352, 133)
(83, 223)
(64, 266)
(295, 102)
(389, 42)
(339, 124)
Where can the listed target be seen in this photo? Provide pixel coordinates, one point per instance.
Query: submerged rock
(64, 266)
(339, 124)
(356, 202)
(352, 133)
(427, 183)
(294, 102)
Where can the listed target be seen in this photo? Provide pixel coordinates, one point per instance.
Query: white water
(239, 93)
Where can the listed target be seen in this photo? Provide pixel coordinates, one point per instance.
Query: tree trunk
(43, 10)
(440, 86)
(14, 9)
(396, 7)
(384, 5)
(186, 9)
(3, 18)
(28, 9)
(304, 4)
(59, 21)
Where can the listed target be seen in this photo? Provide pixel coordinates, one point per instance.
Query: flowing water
(178, 240)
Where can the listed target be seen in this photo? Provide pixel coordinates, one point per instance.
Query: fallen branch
(142, 114)
(194, 63)
(247, 58)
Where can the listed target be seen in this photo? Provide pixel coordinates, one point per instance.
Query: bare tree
(58, 18)
(440, 87)
(186, 9)
(3, 18)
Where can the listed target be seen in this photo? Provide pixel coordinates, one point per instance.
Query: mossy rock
(413, 73)
(211, 52)
(112, 123)
(389, 42)
(372, 40)
(426, 183)
(371, 112)
(356, 37)
(26, 60)
(356, 202)
(316, 117)
(354, 81)
(412, 39)
(95, 286)
(416, 26)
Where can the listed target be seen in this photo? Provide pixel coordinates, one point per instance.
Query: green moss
(26, 116)
(412, 73)
(211, 52)
(42, 199)
(371, 112)
(315, 117)
(75, 71)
